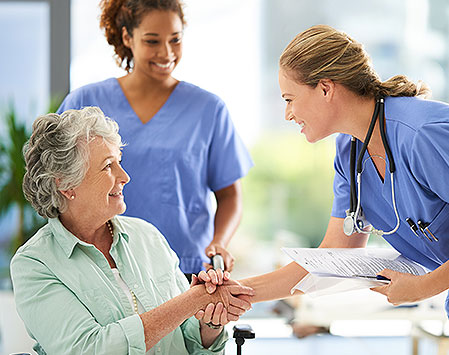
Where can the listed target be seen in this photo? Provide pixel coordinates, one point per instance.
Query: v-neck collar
(163, 108)
(385, 158)
(385, 185)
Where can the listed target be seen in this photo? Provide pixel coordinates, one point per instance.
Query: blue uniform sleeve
(341, 180)
(228, 158)
(429, 161)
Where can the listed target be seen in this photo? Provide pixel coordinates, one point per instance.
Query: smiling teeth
(115, 194)
(165, 66)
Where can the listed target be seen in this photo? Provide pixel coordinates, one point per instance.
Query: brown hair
(116, 14)
(321, 52)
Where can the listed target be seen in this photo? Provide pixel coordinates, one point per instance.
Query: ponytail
(322, 52)
(400, 85)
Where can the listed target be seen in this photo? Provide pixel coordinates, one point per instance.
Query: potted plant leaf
(12, 169)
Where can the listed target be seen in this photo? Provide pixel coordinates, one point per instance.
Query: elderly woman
(91, 281)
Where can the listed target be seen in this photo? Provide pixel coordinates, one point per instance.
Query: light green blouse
(71, 303)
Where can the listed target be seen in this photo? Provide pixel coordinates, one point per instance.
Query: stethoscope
(355, 221)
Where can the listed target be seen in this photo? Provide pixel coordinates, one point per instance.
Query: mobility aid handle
(217, 262)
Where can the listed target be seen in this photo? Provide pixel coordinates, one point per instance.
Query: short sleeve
(341, 179)
(228, 158)
(429, 161)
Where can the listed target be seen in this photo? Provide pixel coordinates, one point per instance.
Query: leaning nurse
(329, 86)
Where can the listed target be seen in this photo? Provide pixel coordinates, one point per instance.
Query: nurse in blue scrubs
(329, 87)
(182, 145)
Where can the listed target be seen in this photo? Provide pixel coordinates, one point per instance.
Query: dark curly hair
(116, 14)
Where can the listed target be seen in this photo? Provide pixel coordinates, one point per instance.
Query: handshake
(227, 299)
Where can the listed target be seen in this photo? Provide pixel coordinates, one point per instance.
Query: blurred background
(231, 48)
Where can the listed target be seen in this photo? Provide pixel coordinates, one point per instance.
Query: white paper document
(341, 269)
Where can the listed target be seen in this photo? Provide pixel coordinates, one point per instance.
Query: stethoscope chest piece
(351, 225)
(348, 225)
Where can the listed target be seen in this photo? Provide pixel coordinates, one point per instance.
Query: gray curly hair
(57, 156)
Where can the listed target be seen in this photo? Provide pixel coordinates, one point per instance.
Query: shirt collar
(68, 241)
(118, 230)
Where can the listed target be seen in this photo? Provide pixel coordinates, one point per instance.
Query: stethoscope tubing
(379, 110)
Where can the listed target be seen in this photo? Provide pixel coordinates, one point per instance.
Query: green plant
(12, 169)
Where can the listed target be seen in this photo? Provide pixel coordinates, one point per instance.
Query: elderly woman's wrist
(213, 327)
(199, 296)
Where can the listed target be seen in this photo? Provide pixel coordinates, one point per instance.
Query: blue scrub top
(185, 152)
(418, 135)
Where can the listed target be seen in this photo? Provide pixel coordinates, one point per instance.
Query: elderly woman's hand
(215, 314)
(235, 298)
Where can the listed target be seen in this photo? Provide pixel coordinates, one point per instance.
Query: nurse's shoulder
(415, 112)
(94, 94)
(198, 96)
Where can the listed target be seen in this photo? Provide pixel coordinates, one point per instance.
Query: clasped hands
(228, 298)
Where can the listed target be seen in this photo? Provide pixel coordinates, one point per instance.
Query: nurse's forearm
(277, 284)
(438, 280)
(228, 214)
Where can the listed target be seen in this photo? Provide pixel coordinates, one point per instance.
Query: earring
(72, 197)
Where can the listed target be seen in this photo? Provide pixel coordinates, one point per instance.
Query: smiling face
(100, 193)
(156, 44)
(307, 106)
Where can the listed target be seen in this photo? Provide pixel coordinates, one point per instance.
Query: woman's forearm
(162, 320)
(208, 335)
(276, 284)
(438, 280)
(228, 214)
